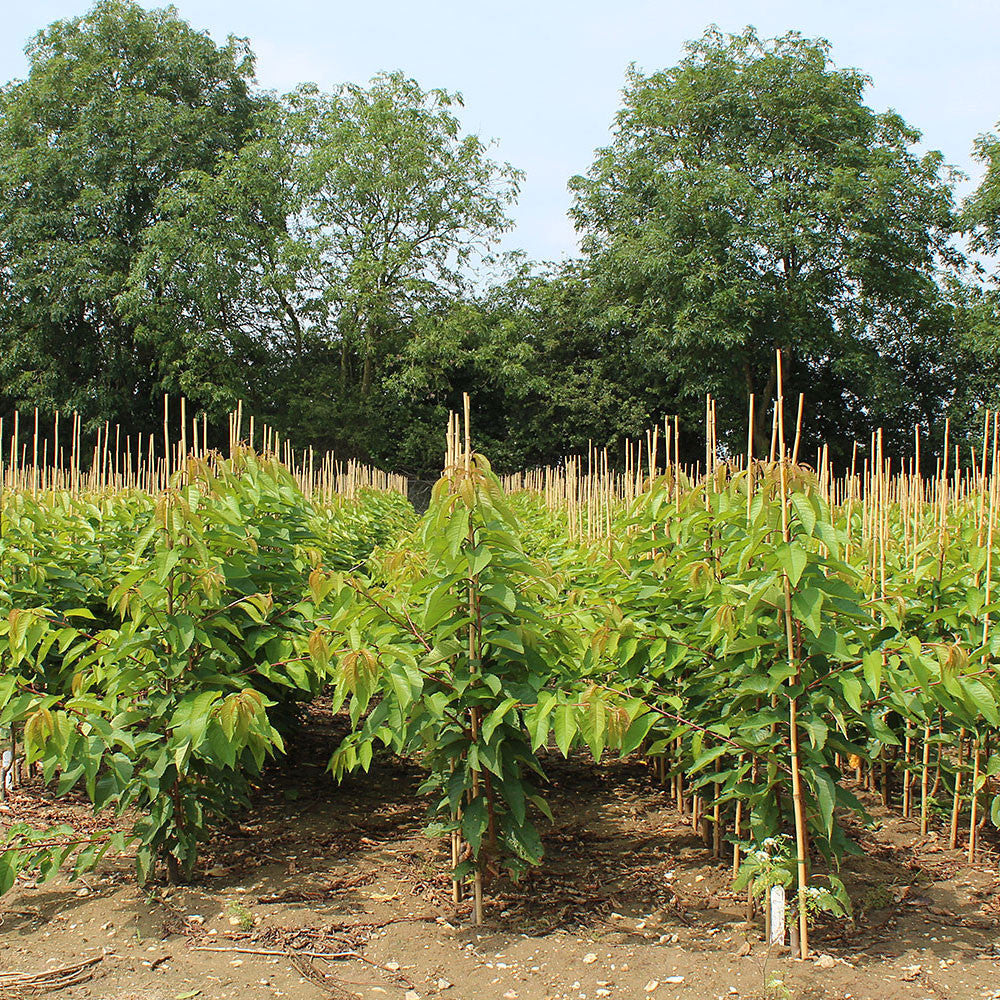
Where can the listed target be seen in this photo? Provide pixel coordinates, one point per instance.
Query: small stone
(411, 995)
(589, 958)
(674, 979)
(84, 891)
(825, 962)
(443, 984)
(392, 966)
(652, 985)
(744, 950)
(510, 995)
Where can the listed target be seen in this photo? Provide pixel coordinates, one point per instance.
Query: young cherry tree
(472, 675)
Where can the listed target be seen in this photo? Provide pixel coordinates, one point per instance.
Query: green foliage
(772, 862)
(163, 667)
(448, 655)
(47, 852)
(157, 674)
(163, 225)
(315, 245)
(546, 376)
(981, 211)
(750, 200)
(685, 611)
(117, 104)
(326, 257)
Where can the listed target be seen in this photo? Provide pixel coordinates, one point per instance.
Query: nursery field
(787, 672)
(628, 895)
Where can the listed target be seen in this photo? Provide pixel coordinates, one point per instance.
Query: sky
(544, 77)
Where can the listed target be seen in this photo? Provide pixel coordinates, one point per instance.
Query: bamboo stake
(793, 727)
(956, 802)
(974, 800)
(924, 769)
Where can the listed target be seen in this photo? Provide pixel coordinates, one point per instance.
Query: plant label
(777, 901)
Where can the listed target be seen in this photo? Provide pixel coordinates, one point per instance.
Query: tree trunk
(763, 404)
(366, 374)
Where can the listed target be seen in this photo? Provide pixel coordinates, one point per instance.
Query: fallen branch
(293, 953)
(51, 979)
(327, 983)
(280, 952)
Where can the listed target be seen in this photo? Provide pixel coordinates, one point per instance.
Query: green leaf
(8, 871)
(496, 717)
(826, 795)
(705, 758)
(594, 727)
(851, 688)
(637, 732)
(793, 559)
(806, 515)
(807, 605)
(537, 719)
(872, 665)
(475, 821)
(457, 530)
(565, 727)
(979, 696)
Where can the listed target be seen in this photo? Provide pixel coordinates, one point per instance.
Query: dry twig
(13, 983)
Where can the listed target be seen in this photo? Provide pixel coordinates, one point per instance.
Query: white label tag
(777, 914)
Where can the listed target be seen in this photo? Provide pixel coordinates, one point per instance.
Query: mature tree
(322, 240)
(975, 367)
(749, 201)
(973, 374)
(546, 377)
(117, 105)
(222, 288)
(981, 211)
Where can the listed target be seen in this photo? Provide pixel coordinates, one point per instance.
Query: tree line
(330, 257)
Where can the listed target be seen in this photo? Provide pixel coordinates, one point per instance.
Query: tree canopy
(330, 257)
(982, 209)
(117, 105)
(318, 243)
(751, 201)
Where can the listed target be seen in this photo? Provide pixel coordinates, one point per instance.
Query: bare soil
(325, 891)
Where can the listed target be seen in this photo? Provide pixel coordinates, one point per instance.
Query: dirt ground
(334, 892)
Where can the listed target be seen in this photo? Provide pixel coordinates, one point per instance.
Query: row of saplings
(724, 634)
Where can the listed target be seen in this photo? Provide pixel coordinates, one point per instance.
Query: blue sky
(544, 77)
